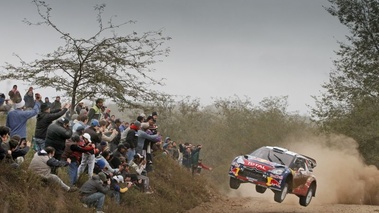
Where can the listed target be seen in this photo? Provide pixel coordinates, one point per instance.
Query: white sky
(219, 48)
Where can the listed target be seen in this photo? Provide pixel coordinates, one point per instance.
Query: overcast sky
(219, 48)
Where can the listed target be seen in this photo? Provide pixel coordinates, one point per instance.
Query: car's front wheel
(234, 183)
(281, 195)
(306, 200)
(260, 189)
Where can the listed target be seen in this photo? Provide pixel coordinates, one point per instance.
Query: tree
(352, 94)
(115, 67)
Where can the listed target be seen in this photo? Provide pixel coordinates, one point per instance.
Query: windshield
(273, 156)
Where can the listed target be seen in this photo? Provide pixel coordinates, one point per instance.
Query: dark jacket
(56, 137)
(44, 119)
(132, 137)
(95, 137)
(93, 185)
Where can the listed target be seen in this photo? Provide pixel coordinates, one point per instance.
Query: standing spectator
(47, 101)
(16, 119)
(142, 136)
(79, 107)
(116, 140)
(132, 140)
(94, 131)
(96, 111)
(74, 150)
(39, 98)
(56, 104)
(29, 98)
(43, 162)
(15, 95)
(56, 136)
(88, 158)
(44, 119)
(92, 192)
(5, 104)
(82, 121)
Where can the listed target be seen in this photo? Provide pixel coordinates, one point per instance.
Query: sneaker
(100, 212)
(85, 205)
(73, 189)
(149, 192)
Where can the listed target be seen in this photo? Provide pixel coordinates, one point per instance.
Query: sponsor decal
(256, 165)
(276, 176)
(272, 182)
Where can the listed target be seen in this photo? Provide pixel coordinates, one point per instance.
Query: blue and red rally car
(277, 169)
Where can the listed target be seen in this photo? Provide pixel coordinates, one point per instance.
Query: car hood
(259, 163)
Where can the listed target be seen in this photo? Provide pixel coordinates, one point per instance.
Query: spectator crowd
(114, 155)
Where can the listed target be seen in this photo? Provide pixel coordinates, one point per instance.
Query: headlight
(278, 171)
(237, 162)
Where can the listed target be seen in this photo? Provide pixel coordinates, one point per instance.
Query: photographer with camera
(93, 191)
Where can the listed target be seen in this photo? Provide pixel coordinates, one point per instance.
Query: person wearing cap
(74, 149)
(16, 119)
(132, 140)
(94, 131)
(95, 111)
(116, 189)
(57, 134)
(42, 164)
(56, 104)
(44, 119)
(79, 107)
(88, 158)
(93, 191)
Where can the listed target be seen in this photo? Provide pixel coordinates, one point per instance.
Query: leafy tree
(351, 98)
(103, 65)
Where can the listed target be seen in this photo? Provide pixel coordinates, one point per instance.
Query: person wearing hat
(16, 119)
(74, 149)
(57, 134)
(88, 158)
(44, 119)
(93, 191)
(116, 189)
(132, 140)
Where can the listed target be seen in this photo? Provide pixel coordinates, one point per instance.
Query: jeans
(73, 172)
(130, 155)
(116, 196)
(87, 159)
(95, 199)
(39, 144)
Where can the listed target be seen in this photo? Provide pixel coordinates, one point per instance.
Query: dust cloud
(342, 176)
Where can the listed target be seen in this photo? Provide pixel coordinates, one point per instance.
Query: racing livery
(277, 169)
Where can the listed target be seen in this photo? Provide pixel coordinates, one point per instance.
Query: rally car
(277, 169)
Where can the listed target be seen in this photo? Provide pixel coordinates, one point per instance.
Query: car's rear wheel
(260, 189)
(234, 183)
(306, 200)
(279, 196)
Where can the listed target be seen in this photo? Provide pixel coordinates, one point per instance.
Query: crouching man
(42, 163)
(93, 191)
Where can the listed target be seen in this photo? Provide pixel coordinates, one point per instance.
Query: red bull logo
(273, 182)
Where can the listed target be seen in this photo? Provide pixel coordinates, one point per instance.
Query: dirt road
(242, 202)
(258, 204)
